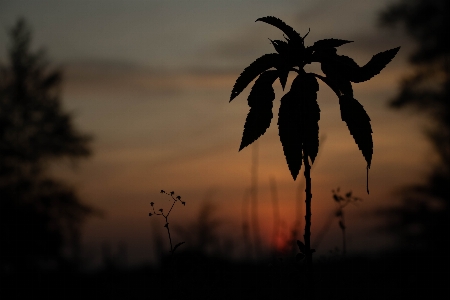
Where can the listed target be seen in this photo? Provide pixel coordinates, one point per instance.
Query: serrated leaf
(262, 91)
(290, 132)
(340, 66)
(298, 119)
(176, 246)
(301, 246)
(260, 65)
(358, 122)
(329, 43)
(339, 69)
(256, 124)
(375, 65)
(293, 35)
(261, 102)
(338, 85)
(312, 117)
(283, 73)
(280, 46)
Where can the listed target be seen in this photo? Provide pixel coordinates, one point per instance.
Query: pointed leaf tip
(260, 115)
(260, 65)
(293, 35)
(301, 246)
(377, 63)
(358, 123)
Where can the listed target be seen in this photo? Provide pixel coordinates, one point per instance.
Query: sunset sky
(151, 81)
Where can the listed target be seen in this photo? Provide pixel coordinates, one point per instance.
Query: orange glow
(155, 96)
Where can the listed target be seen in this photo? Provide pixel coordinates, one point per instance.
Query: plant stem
(276, 213)
(307, 236)
(254, 203)
(342, 225)
(168, 231)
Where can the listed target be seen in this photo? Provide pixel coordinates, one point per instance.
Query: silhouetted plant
(166, 217)
(299, 111)
(342, 202)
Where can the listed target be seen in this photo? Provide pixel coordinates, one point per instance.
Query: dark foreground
(194, 276)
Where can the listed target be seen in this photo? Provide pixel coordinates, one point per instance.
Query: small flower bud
(182, 202)
(179, 197)
(152, 203)
(161, 210)
(162, 191)
(150, 214)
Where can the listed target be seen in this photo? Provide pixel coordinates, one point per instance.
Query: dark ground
(194, 276)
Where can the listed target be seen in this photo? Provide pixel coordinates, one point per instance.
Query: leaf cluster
(299, 111)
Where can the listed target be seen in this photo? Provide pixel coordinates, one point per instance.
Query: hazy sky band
(151, 81)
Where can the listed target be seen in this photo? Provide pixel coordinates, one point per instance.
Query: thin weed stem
(342, 202)
(166, 217)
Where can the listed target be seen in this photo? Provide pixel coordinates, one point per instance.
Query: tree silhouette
(423, 218)
(39, 216)
(299, 111)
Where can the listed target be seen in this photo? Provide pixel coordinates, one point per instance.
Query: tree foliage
(39, 215)
(426, 206)
(299, 112)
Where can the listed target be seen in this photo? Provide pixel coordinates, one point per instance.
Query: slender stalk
(168, 232)
(254, 203)
(344, 246)
(166, 217)
(246, 223)
(307, 236)
(342, 225)
(298, 225)
(276, 213)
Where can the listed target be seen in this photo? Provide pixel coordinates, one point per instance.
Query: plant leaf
(283, 73)
(312, 117)
(329, 43)
(260, 65)
(301, 246)
(358, 122)
(293, 35)
(298, 122)
(375, 65)
(176, 246)
(262, 91)
(260, 101)
(340, 66)
(290, 132)
(280, 46)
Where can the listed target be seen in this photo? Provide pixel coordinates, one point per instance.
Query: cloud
(103, 76)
